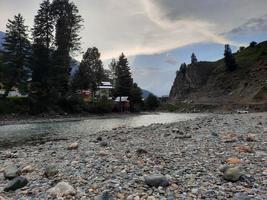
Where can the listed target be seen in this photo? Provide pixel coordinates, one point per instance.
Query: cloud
(254, 25)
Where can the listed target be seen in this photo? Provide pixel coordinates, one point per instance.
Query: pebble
(103, 196)
(50, 171)
(189, 164)
(73, 146)
(27, 169)
(157, 180)
(11, 172)
(16, 183)
(62, 189)
(232, 174)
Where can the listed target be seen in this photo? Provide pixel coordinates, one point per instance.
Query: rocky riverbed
(213, 157)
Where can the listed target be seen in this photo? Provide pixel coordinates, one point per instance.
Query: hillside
(210, 83)
(2, 35)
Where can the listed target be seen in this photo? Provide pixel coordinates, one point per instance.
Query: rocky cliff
(210, 83)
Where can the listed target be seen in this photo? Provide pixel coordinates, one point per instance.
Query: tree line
(39, 65)
(229, 59)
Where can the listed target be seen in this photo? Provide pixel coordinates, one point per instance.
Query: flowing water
(34, 133)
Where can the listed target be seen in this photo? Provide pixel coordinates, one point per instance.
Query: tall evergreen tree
(136, 96)
(112, 68)
(183, 68)
(91, 71)
(67, 40)
(124, 81)
(193, 58)
(42, 43)
(17, 51)
(229, 59)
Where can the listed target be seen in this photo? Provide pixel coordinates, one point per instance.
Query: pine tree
(124, 81)
(17, 51)
(193, 58)
(112, 68)
(136, 94)
(91, 71)
(229, 59)
(43, 39)
(67, 40)
(183, 68)
(151, 102)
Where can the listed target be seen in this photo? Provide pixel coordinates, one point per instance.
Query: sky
(158, 35)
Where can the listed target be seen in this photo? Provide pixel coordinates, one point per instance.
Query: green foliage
(67, 26)
(183, 68)
(41, 59)
(193, 58)
(229, 59)
(16, 55)
(102, 106)
(136, 97)
(124, 81)
(14, 105)
(253, 44)
(151, 102)
(91, 71)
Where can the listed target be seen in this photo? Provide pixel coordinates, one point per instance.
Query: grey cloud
(252, 26)
(225, 12)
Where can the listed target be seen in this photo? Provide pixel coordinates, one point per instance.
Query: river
(32, 133)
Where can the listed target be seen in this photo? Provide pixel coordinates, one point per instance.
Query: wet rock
(73, 146)
(232, 174)
(11, 172)
(157, 180)
(104, 196)
(50, 171)
(62, 189)
(16, 183)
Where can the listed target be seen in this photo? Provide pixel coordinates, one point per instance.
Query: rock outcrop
(211, 83)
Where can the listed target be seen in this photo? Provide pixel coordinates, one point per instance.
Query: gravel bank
(189, 157)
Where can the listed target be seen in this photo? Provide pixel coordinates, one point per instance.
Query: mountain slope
(209, 82)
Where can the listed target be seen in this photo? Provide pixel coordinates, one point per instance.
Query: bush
(14, 105)
(100, 107)
(151, 102)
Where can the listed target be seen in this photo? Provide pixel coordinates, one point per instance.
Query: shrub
(151, 102)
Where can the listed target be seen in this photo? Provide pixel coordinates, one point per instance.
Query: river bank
(30, 119)
(115, 163)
